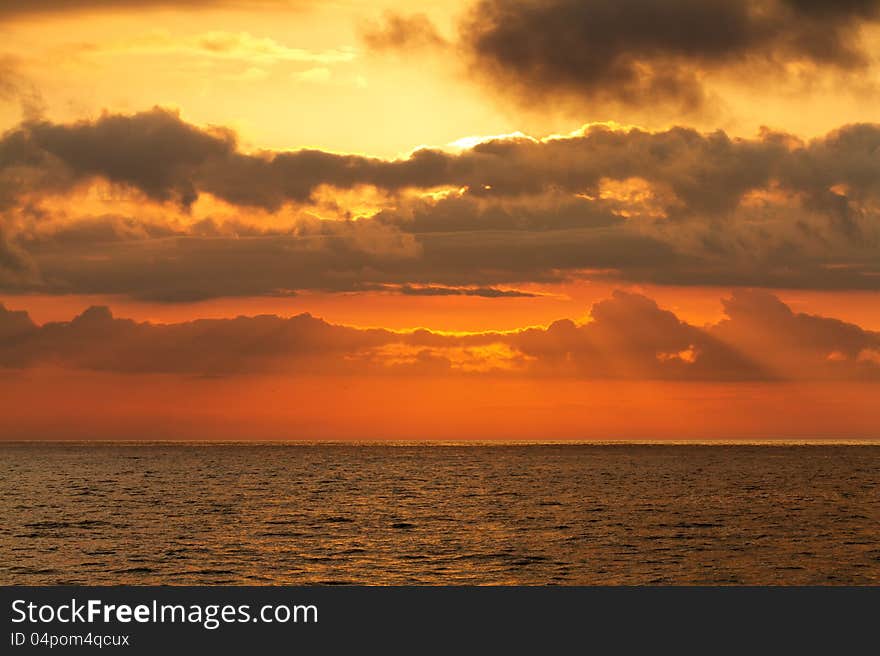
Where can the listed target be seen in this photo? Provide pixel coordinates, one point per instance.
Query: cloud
(8, 81)
(156, 262)
(795, 344)
(14, 325)
(218, 44)
(656, 53)
(471, 212)
(437, 290)
(96, 340)
(627, 337)
(676, 206)
(631, 337)
(15, 87)
(243, 45)
(313, 75)
(154, 152)
(115, 255)
(168, 159)
(402, 32)
(16, 267)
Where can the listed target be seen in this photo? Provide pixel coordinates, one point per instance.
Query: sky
(471, 219)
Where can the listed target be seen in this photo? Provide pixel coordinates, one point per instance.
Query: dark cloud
(645, 53)
(836, 10)
(168, 159)
(16, 267)
(398, 31)
(154, 152)
(121, 258)
(628, 337)
(796, 344)
(15, 325)
(149, 261)
(760, 338)
(484, 292)
(96, 340)
(631, 337)
(671, 207)
(469, 212)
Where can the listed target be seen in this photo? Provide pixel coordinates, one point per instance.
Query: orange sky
(89, 406)
(698, 211)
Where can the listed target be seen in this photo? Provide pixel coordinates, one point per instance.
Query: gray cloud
(657, 52)
(16, 267)
(438, 290)
(629, 337)
(170, 160)
(670, 207)
(154, 152)
(115, 256)
(796, 344)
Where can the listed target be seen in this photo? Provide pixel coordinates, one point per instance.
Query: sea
(439, 514)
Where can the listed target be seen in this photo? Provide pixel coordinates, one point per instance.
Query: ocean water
(509, 514)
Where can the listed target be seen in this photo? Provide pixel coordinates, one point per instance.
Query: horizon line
(774, 442)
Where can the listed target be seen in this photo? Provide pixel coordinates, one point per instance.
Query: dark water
(274, 514)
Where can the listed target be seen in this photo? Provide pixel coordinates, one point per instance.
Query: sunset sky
(490, 219)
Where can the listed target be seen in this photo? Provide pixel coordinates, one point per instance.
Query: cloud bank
(676, 206)
(628, 337)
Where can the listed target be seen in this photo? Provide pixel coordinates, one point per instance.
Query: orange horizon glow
(375, 409)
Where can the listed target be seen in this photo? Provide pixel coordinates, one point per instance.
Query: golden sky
(607, 219)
